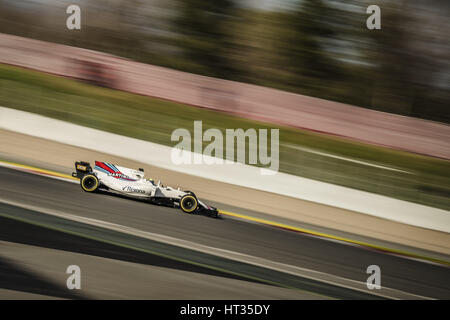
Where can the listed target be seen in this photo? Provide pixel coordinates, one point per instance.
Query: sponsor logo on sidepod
(130, 189)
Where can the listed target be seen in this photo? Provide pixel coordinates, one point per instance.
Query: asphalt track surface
(270, 243)
(33, 261)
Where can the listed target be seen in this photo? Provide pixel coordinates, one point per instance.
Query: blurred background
(319, 48)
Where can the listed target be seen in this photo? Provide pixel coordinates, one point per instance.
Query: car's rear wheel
(189, 203)
(89, 183)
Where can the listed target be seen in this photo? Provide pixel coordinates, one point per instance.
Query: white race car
(131, 183)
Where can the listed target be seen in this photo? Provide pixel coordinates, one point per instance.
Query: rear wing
(81, 168)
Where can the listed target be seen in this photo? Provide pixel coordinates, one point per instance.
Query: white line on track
(329, 155)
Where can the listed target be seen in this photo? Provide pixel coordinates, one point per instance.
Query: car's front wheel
(89, 183)
(188, 203)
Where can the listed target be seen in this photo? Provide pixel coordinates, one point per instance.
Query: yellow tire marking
(195, 207)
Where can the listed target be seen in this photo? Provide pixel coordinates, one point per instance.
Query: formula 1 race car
(131, 183)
